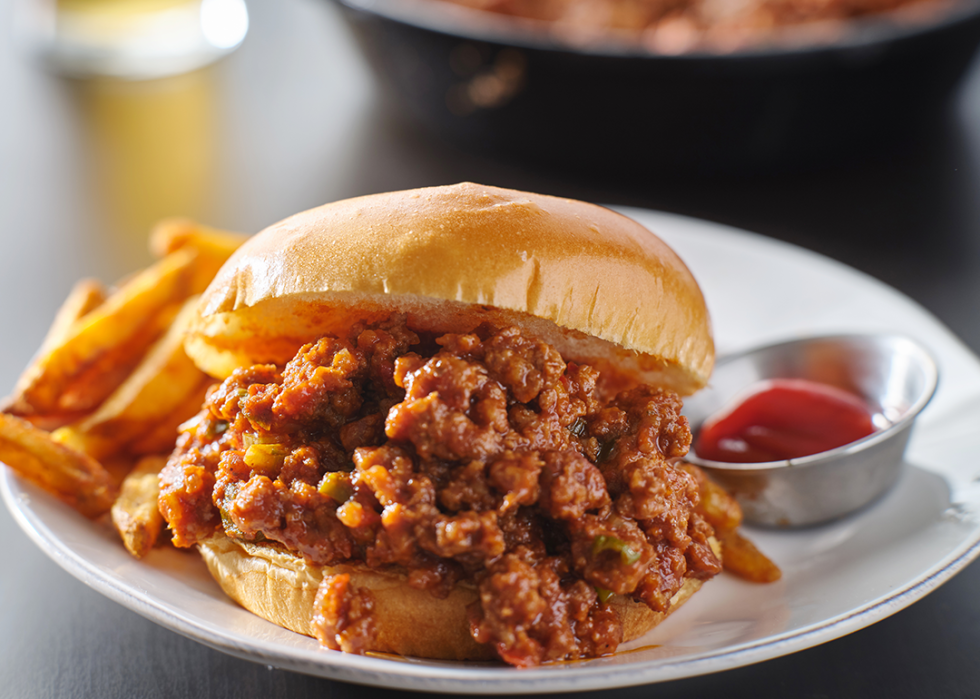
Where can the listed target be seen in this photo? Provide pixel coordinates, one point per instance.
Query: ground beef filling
(482, 457)
(676, 26)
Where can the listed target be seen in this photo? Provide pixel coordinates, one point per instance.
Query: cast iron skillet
(494, 85)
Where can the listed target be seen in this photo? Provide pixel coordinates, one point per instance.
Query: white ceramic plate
(837, 578)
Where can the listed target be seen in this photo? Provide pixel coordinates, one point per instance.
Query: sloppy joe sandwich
(448, 425)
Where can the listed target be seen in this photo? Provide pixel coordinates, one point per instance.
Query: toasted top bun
(594, 284)
(281, 588)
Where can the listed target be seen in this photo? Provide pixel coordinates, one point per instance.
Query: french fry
(76, 478)
(159, 385)
(135, 513)
(84, 297)
(159, 437)
(741, 557)
(126, 318)
(118, 466)
(163, 436)
(172, 234)
(718, 507)
(724, 514)
(99, 448)
(90, 387)
(213, 246)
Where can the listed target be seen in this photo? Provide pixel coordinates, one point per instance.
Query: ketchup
(784, 419)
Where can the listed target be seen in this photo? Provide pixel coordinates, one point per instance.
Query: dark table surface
(293, 119)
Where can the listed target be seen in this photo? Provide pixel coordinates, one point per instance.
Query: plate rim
(460, 680)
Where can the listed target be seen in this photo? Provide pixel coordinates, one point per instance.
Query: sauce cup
(894, 375)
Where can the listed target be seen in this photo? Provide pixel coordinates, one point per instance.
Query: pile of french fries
(95, 413)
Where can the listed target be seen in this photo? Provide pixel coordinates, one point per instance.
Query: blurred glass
(133, 39)
(149, 154)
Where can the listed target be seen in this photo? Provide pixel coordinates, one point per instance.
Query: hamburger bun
(595, 285)
(281, 588)
(592, 283)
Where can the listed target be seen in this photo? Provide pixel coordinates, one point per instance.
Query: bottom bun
(281, 588)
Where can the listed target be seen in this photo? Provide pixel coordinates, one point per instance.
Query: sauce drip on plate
(784, 419)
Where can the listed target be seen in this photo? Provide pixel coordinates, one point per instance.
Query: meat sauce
(676, 26)
(785, 419)
(482, 457)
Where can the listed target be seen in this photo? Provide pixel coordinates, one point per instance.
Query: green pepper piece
(611, 543)
(604, 594)
(266, 459)
(215, 428)
(336, 485)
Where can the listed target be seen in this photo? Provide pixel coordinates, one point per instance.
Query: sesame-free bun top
(596, 285)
